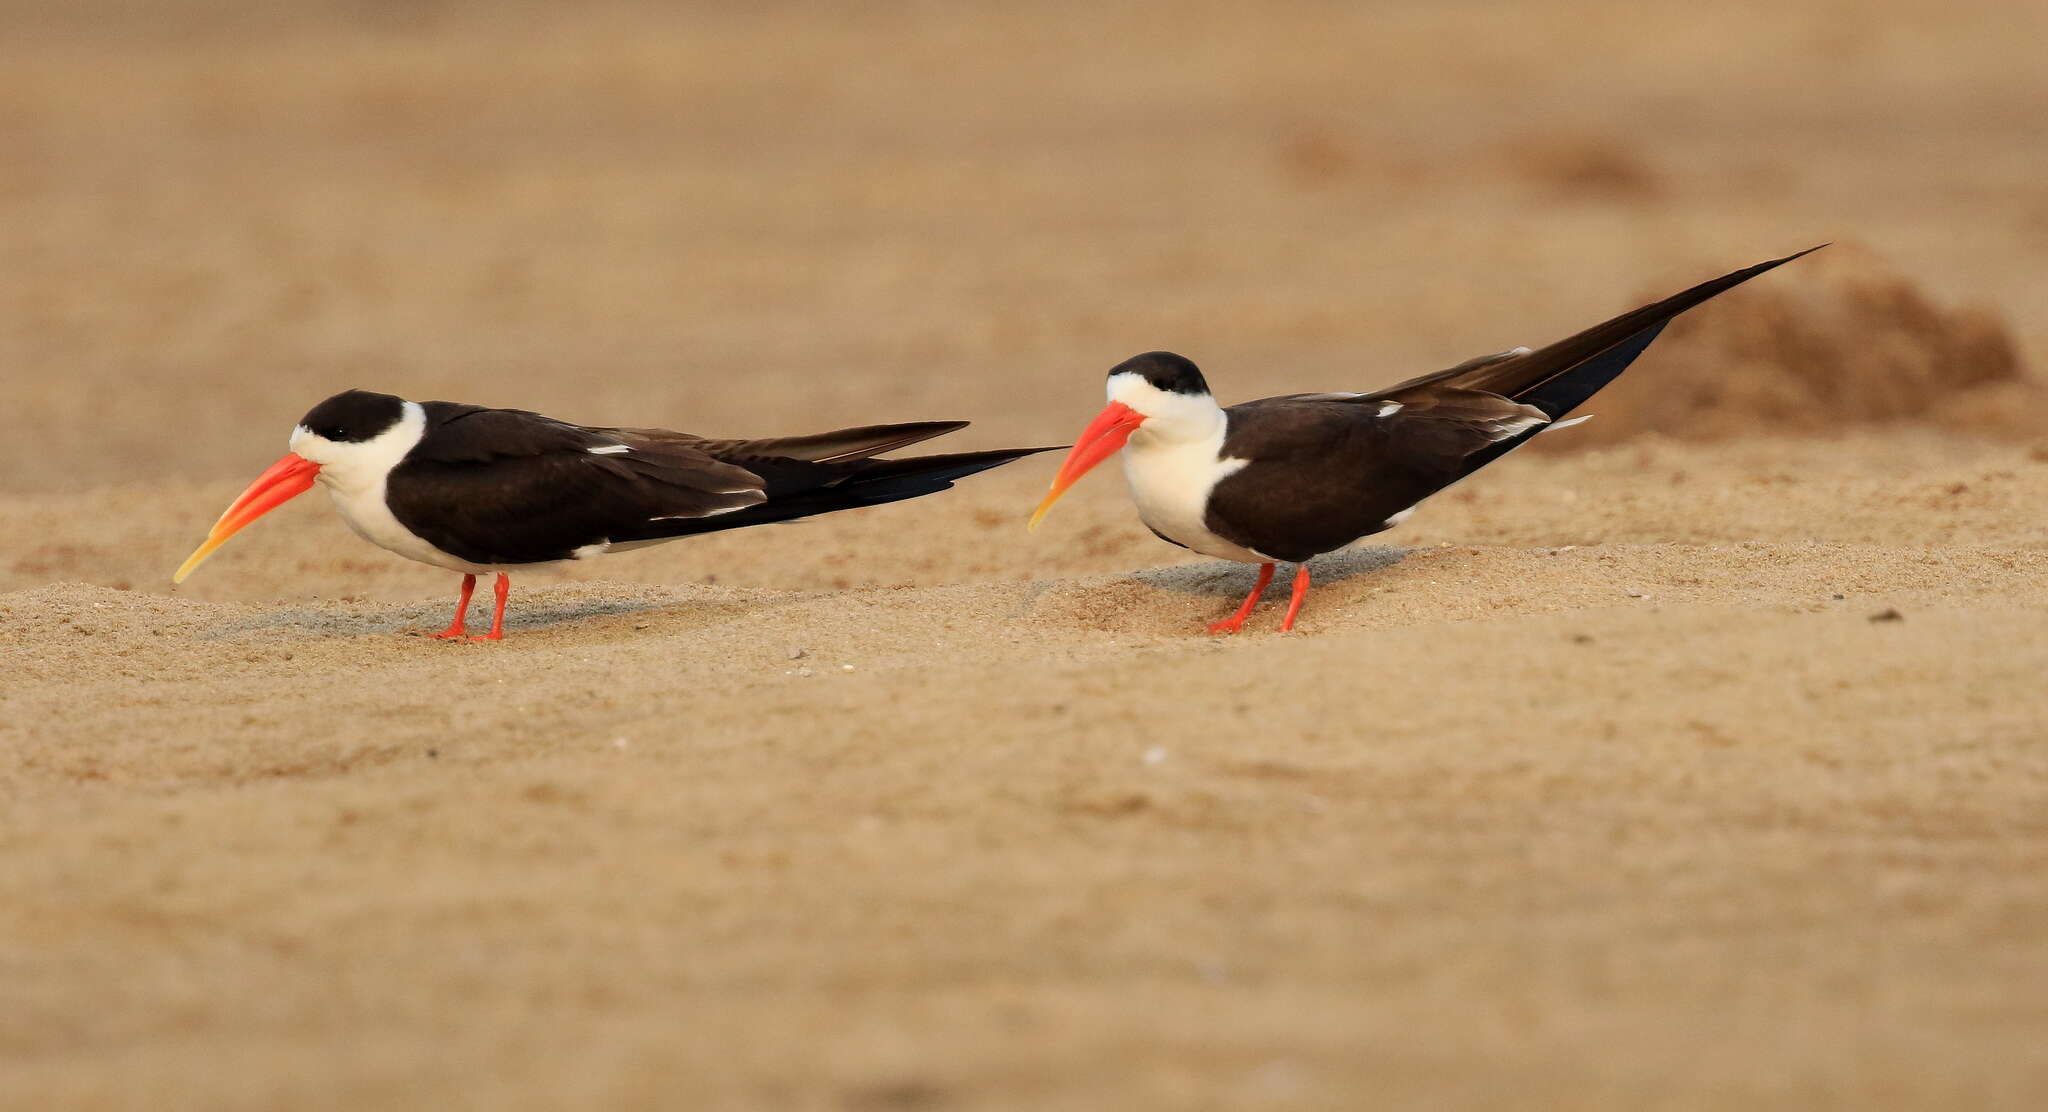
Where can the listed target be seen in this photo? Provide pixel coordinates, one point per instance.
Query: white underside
(1171, 480)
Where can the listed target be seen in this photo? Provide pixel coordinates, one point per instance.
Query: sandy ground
(1664, 773)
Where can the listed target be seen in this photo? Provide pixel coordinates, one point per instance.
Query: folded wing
(511, 487)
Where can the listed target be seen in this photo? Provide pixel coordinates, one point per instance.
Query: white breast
(355, 476)
(1170, 481)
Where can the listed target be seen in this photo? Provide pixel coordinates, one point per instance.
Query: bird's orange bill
(287, 479)
(1103, 438)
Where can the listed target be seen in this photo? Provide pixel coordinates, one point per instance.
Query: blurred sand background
(1699, 760)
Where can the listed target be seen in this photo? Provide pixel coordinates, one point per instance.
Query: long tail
(1559, 378)
(873, 483)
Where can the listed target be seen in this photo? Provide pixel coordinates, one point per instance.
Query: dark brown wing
(1322, 473)
(504, 486)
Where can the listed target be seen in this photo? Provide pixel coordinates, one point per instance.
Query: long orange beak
(1103, 438)
(287, 479)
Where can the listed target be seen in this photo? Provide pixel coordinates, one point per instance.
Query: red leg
(456, 627)
(1236, 621)
(1294, 604)
(503, 590)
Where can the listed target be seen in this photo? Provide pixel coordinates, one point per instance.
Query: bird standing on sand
(480, 490)
(1292, 477)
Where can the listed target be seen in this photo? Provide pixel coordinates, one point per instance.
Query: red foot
(502, 590)
(1294, 604)
(1235, 622)
(456, 627)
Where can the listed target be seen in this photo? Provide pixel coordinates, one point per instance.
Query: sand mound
(1836, 340)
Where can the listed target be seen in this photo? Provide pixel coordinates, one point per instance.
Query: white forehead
(1131, 389)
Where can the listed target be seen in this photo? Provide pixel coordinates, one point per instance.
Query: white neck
(1171, 477)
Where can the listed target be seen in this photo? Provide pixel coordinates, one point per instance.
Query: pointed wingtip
(1747, 273)
(1705, 290)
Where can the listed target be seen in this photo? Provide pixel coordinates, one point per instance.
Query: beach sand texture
(1697, 760)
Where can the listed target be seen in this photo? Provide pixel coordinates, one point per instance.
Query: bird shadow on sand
(1226, 579)
(349, 620)
(1140, 601)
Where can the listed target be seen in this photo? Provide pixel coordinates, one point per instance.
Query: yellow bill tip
(283, 481)
(193, 561)
(1038, 514)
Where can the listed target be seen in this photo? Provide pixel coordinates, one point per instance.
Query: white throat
(1174, 460)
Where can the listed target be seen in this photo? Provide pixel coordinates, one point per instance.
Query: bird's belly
(369, 516)
(1171, 486)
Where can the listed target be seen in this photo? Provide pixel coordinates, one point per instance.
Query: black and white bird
(480, 490)
(1292, 477)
